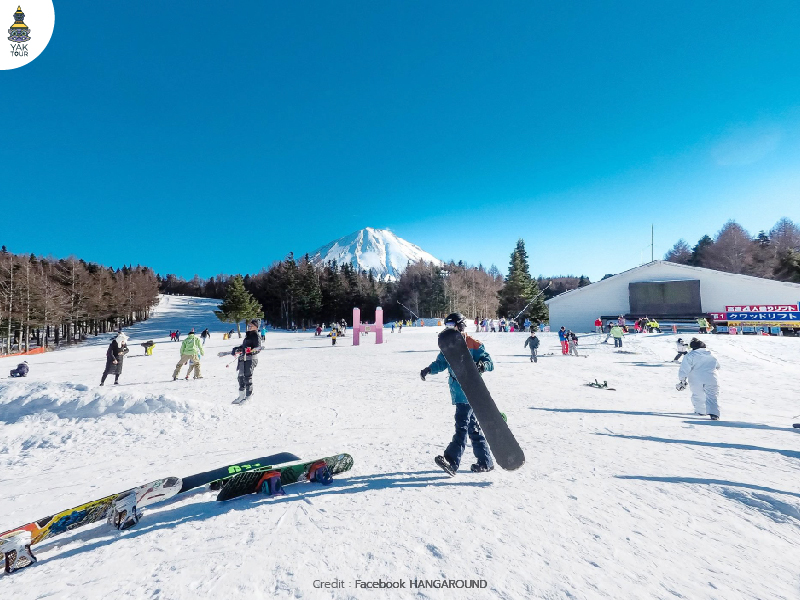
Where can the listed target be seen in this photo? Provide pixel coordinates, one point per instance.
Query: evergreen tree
(238, 305)
(519, 289)
(700, 250)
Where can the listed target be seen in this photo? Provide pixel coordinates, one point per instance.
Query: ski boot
(481, 468)
(270, 484)
(320, 473)
(123, 513)
(16, 551)
(446, 465)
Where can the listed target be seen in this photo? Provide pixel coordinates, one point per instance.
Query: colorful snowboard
(95, 511)
(224, 473)
(247, 482)
(504, 445)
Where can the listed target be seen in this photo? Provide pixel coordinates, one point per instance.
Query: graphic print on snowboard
(248, 482)
(502, 442)
(96, 510)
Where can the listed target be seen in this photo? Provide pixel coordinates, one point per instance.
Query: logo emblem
(30, 32)
(19, 31)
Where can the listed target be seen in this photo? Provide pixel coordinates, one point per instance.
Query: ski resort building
(669, 292)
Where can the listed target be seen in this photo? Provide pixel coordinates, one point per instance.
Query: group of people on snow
(569, 342)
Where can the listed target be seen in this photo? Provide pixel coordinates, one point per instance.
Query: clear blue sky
(209, 138)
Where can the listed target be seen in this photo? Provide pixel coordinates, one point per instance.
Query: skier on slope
(533, 342)
(247, 362)
(699, 370)
(572, 341)
(465, 422)
(20, 371)
(191, 351)
(115, 354)
(682, 348)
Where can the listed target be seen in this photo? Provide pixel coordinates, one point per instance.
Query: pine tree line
(772, 255)
(47, 301)
(301, 294)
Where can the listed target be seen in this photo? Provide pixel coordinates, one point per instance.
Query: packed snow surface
(376, 250)
(625, 494)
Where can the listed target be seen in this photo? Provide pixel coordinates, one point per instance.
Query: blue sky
(214, 137)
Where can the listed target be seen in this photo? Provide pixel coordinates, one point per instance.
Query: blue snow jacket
(562, 335)
(478, 353)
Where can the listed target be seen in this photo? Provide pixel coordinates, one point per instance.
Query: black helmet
(680, 339)
(456, 320)
(695, 344)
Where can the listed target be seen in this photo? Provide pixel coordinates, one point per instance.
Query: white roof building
(661, 289)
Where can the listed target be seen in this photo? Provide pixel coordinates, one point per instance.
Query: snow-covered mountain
(376, 250)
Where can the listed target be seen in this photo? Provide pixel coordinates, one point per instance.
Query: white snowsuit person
(700, 367)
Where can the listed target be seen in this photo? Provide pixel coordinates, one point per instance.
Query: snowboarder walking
(699, 370)
(466, 424)
(115, 354)
(20, 371)
(533, 342)
(191, 350)
(682, 350)
(247, 363)
(205, 334)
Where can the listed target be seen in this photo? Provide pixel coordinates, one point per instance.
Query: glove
(481, 364)
(681, 385)
(424, 373)
(233, 352)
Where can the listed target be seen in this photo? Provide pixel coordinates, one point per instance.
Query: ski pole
(233, 361)
(534, 298)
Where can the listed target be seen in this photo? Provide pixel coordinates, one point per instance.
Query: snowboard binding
(123, 513)
(16, 551)
(270, 484)
(320, 473)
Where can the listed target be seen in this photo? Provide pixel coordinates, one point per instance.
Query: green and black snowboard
(504, 445)
(248, 482)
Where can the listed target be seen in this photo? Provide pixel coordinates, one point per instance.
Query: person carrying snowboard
(247, 362)
(682, 350)
(466, 424)
(20, 371)
(699, 371)
(191, 350)
(533, 342)
(115, 354)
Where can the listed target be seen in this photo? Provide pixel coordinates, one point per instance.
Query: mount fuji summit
(377, 250)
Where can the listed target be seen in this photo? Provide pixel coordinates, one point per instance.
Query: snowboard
(601, 386)
(217, 476)
(96, 510)
(247, 482)
(504, 446)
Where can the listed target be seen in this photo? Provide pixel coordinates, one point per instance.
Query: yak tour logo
(30, 32)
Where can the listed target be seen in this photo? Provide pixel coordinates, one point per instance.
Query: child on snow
(682, 350)
(562, 337)
(533, 342)
(20, 371)
(699, 370)
(617, 333)
(465, 422)
(248, 362)
(573, 343)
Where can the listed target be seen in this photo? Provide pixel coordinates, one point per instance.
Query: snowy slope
(625, 494)
(376, 250)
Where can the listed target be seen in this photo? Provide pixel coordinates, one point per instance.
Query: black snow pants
(245, 369)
